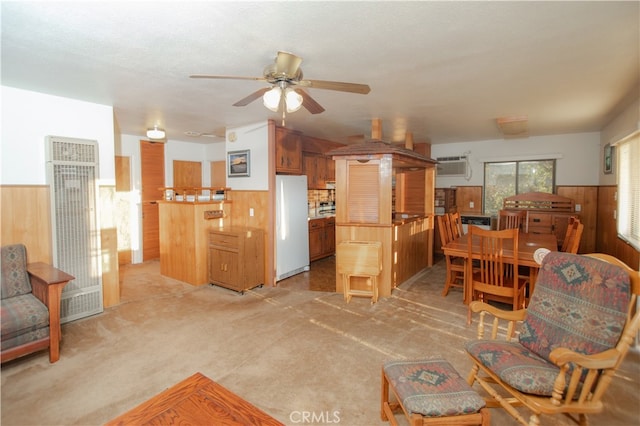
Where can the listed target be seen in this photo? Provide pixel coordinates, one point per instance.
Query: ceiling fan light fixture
(156, 133)
(271, 98)
(293, 100)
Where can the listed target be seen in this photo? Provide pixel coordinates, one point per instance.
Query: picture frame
(608, 159)
(238, 163)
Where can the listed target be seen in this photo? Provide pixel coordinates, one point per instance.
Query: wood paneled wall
(25, 217)
(467, 194)
(241, 203)
(587, 198)
(607, 240)
(26, 214)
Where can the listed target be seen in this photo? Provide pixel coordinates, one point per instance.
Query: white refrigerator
(292, 229)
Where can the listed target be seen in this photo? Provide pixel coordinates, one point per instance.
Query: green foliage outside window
(505, 179)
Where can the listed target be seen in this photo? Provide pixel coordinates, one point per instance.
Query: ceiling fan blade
(287, 64)
(227, 77)
(252, 97)
(363, 89)
(309, 103)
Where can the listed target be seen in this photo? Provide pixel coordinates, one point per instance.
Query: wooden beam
(376, 129)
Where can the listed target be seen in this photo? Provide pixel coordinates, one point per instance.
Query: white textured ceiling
(443, 71)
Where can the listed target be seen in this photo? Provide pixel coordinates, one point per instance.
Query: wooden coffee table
(197, 400)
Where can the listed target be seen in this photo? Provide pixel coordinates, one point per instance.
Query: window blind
(629, 190)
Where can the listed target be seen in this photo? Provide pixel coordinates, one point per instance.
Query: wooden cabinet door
(316, 238)
(309, 169)
(330, 169)
(330, 238)
(223, 268)
(288, 151)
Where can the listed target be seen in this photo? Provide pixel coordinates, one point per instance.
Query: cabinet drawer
(330, 221)
(225, 240)
(539, 220)
(540, 229)
(316, 223)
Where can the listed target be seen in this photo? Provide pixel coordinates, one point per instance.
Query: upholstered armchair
(30, 309)
(560, 354)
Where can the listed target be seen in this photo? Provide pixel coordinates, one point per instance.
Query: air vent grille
(452, 166)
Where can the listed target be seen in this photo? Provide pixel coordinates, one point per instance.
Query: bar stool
(359, 259)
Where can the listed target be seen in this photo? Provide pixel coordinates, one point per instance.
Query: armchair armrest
(602, 360)
(478, 306)
(47, 282)
(511, 317)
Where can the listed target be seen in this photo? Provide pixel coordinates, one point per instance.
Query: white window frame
(628, 179)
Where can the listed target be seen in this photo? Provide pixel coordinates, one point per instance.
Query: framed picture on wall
(608, 159)
(238, 163)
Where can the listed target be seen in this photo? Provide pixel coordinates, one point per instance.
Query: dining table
(528, 243)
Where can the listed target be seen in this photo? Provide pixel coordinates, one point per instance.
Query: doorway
(152, 171)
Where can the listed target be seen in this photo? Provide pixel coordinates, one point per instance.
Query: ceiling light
(156, 133)
(514, 127)
(292, 99)
(271, 99)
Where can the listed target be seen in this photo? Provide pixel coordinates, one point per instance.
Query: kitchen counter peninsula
(373, 179)
(184, 227)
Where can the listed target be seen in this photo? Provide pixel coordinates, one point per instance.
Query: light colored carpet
(286, 351)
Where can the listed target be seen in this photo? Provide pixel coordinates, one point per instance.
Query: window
(629, 190)
(504, 179)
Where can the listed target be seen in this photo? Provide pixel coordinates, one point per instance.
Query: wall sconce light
(156, 133)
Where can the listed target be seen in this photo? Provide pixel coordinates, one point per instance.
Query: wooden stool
(359, 259)
(430, 392)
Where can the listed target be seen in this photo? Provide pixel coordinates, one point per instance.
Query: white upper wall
(29, 117)
(620, 127)
(255, 138)
(577, 155)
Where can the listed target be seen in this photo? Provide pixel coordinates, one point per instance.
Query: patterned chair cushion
(14, 279)
(579, 303)
(515, 365)
(432, 388)
(22, 314)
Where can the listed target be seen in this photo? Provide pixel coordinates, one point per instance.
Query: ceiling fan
(286, 91)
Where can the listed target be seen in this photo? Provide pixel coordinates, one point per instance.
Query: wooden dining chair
(455, 221)
(508, 219)
(494, 278)
(455, 265)
(571, 241)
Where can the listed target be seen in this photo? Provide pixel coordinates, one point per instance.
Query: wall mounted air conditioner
(452, 166)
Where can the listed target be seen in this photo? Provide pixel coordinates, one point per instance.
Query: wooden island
(385, 193)
(186, 217)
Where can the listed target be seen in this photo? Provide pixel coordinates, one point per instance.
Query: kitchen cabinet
(445, 200)
(322, 238)
(236, 258)
(319, 170)
(288, 151)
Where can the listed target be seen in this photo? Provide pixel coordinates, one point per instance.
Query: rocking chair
(574, 334)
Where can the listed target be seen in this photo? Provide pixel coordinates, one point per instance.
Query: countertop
(322, 216)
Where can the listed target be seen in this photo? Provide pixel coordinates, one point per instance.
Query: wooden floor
(320, 277)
